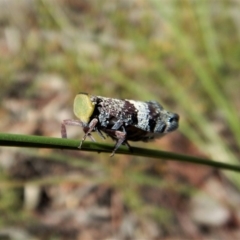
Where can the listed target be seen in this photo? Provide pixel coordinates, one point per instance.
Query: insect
(122, 120)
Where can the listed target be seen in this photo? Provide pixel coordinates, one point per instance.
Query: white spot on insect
(142, 114)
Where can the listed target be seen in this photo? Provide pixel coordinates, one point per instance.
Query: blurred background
(184, 54)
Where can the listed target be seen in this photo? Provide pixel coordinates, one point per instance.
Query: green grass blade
(18, 140)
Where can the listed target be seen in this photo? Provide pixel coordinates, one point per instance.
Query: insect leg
(117, 125)
(100, 134)
(129, 147)
(87, 130)
(121, 136)
(69, 122)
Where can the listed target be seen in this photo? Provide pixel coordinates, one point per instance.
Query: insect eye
(173, 122)
(174, 118)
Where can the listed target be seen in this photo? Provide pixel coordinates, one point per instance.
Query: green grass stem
(30, 141)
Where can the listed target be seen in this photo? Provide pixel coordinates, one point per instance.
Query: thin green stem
(18, 140)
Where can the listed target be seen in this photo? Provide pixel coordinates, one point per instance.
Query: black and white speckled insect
(122, 120)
